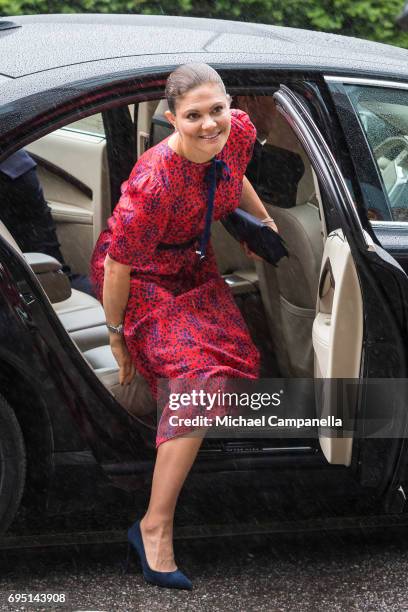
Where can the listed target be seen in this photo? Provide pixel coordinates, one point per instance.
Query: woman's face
(202, 121)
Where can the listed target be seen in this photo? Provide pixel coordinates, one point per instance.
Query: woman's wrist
(115, 329)
(267, 220)
(115, 333)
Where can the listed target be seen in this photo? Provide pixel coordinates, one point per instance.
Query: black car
(84, 96)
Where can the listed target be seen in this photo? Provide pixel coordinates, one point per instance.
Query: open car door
(360, 326)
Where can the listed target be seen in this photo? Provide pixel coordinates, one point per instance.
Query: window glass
(383, 114)
(94, 124)
(90, 125)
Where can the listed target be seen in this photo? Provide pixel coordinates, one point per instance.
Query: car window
(94, 124)
(89, 125)
(383, 114)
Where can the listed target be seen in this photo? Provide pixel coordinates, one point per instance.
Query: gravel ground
(364, 571)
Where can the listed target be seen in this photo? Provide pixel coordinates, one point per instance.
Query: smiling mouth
(213, 137)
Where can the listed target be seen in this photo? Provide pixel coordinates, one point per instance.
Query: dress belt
(165, 246)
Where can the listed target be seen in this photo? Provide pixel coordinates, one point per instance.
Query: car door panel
(337, 333)
(340, 311)
(72, 168)
(356, 323)
(338, 330)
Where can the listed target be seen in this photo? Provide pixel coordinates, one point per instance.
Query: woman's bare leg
(173, 462)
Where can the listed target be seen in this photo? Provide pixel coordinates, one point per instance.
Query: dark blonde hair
(187, 77)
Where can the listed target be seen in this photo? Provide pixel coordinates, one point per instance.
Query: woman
(169, 312)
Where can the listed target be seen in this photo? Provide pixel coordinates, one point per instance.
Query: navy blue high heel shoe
(172, 580)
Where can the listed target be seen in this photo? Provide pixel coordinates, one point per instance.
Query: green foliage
(372, 19)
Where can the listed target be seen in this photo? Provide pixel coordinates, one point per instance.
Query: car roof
(47, 42)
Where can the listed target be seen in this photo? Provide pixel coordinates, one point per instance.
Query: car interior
(278, 303)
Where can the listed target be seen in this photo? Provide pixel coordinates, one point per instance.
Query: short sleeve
(243, 133)
(139, 220)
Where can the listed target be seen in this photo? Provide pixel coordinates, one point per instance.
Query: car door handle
(327, 281)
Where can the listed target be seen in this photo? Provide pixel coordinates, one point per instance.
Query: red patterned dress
(181, 320)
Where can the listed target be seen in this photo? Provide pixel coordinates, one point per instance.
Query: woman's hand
(269, 222)
(121, 354)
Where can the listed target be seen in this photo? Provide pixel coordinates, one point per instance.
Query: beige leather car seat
(289, 291)
(84, 319)
(81, 314)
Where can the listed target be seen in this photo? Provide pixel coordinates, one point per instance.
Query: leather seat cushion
(136, 398)
(84, 319)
